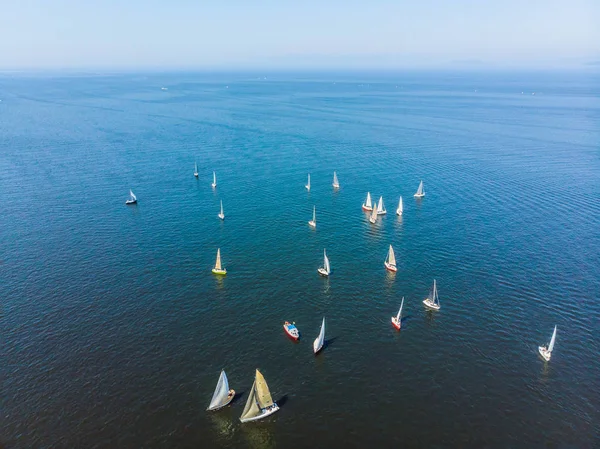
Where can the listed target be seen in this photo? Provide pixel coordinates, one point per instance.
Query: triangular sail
(326, 262)
(218, 263)
(195, 168)
(314, 214)
(434, 294)
(368, 202)
(251, 409)
(222, 207)
(380, 204)
(221, 392)
(336, 183)
(551, 345)
(132, 196)
(263, 395)
(391, 257)
(374, 215)
(318, 343)
(420, 189)
(400, 208)
(400, 311)
(214, 178)
(308, 183)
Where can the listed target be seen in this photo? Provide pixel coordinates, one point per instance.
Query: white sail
(400, 311)
(400, 208)
(391, 257)
(551, 345)
(368, 203)
(434, 294)
(318, 343)
(221, 393)
(314, 214)
(380, 208)
(336, 183)
(420, 191)
(218, 262)
(373, 218)
(214, 183)
(308, 183)
(222, 214)
(251, 410)
(132, 196)
(326, 262)
(195, 168)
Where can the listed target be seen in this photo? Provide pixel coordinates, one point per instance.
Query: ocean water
(114, 331)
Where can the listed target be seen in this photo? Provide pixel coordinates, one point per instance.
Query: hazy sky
(291, 34)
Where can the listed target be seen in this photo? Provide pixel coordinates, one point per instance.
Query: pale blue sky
(297, 34)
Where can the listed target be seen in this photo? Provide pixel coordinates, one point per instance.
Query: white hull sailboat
(218, 269)
(214, 183)
(336, 183)
(325, 270)
(260, 404)
(222, 395)
(390, 260)
(320, 340)
(400, 208)
(546, 351)
(374, 214)
(196, 169)
(420, 191)
(367, 205)
(308, 183)
(433, 300)
(397, 320)
(380, 207)
(221, 215)
(313, 223)
(132, 198)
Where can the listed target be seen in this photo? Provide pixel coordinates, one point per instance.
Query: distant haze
(124, 34)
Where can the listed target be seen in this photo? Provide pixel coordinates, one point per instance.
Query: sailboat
(132, 198)
(336, 183)
(221, 214)
(308, 184)
(433, 300)
(313, 222)
(367, 206)
(196, 169)
(546, 352)
(325, 269)
(218, 269)
(222, 395)
(420, 192)
(373, 217)
(380, 207)
(397, 320)
(400, 208)
(214, 183)
(390, 260)
(260, 404)
(320, 340)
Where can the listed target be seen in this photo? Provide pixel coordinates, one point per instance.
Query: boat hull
(396, 323)
(221, 216)
(430, 305)
(383, 212)
(544, 353)
(323, 272)
(316, 348)
(264, 413)
(417, 195)
(336, 186)
(219, 272)
(230, 398)
(367, 208)
(213, 185)
(373, 220)
(129, 202)
(312, 224)
(398, 212)
(390, 267)
(195, 175)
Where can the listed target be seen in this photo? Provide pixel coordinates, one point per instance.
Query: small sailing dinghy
(260, 404)
(308, 183)
(380, 207)
(367, 205)
(313, 222)
(420, 192)
(400, 208)
(325, 269)
(196, 169)
(397, 320)
(373, 217)
(320, 340)
(218, 269)
(132, 198)
(390, 260)
(433, 300)
(222, 395)
(546, 352)
(221, 215)
(214, 183)
(291, 330)
(336, 183)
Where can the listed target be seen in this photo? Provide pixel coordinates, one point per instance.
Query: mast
(218, 263)
(551, 345)
(336, 183)
(400, 208)
(391, 256)
(314, 214)
(222, 207)
(368, 202)
(400, 311)
(434, 294)
(326, 262)
(214, 179)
